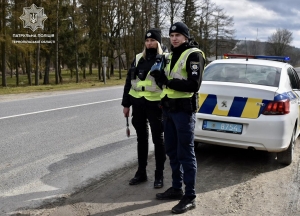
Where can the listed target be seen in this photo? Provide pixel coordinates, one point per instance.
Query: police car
(250, 102)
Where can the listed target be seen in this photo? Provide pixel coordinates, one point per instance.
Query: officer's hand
(162, 80)
(155, 74)
(126, 111)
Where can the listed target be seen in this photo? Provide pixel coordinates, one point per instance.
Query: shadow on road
(218, 167)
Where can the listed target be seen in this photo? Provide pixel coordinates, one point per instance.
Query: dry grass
(69, 83)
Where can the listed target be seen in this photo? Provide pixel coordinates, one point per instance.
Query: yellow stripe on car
(252, 108)
(242, 107)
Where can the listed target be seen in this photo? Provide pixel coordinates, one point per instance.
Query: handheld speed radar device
(159, 63)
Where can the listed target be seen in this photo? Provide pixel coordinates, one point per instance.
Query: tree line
(85, 31)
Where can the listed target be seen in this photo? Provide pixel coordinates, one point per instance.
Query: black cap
(180, 28)
(154, 33)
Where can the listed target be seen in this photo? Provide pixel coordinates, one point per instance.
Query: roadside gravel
(230, 182)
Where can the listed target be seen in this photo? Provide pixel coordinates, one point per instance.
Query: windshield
(243, 73)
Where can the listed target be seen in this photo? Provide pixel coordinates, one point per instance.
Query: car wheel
(286, 157)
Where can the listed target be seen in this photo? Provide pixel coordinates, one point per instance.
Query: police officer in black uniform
(181, 81)
(142, 93)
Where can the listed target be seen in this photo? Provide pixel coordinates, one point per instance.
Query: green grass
(68, 83)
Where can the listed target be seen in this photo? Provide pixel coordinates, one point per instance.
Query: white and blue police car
(250, 102)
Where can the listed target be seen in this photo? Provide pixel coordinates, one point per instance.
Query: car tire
(196, 144)
(286, 157)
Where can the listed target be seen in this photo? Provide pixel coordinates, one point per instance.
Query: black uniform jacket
(194, 66)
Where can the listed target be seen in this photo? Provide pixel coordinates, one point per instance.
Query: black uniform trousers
(145, 113)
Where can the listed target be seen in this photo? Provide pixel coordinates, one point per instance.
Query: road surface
(52, 144)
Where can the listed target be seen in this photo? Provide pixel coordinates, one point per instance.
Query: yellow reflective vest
(150, 91)
(178, 72)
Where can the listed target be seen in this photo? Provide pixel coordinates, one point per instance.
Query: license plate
(225, 127)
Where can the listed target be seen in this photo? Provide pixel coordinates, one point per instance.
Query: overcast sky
(260, 18)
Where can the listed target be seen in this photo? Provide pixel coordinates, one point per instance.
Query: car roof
(251, 61)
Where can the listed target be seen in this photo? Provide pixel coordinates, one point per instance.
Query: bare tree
(173, 9)
(157, 13)
(56, 45)
(189, 16)
(206, 26)
(3, 47)
(216, 29)
(223, 31)
(278, 43)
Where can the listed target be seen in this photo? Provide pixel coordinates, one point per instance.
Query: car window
(243, 73)
(297, 70)
(296, 74)
(294, 79)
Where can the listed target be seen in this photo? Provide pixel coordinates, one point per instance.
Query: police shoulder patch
(194, 65)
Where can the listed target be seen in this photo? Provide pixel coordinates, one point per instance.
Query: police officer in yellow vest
(142, 93)
(181, 81)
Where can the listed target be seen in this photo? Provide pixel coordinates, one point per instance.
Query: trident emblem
(33, 17)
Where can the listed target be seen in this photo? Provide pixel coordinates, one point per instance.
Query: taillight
(277, 108)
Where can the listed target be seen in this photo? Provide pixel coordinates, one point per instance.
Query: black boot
(159, 179)
(140, 176)
(186, 203)
(170, 194)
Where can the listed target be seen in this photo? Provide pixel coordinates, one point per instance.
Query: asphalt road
(55, 144)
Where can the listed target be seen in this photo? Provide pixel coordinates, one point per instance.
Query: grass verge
(69, 83)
